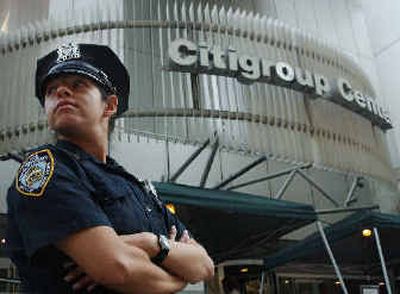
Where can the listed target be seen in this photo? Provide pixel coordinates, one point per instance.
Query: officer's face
(74, 104)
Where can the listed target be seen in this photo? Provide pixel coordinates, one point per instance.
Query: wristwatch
(164, 249)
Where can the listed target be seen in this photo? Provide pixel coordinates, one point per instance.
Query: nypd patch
(35, 173)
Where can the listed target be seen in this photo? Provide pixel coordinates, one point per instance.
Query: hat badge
(68, 51)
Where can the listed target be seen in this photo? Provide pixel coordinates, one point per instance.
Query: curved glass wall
(170, 106)
(258, 118)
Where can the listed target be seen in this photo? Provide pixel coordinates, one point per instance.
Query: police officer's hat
(96, 62)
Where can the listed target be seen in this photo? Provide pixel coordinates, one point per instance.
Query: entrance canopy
(348, 244)
(235, 225)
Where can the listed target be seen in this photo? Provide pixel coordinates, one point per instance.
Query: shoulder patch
(35, 173)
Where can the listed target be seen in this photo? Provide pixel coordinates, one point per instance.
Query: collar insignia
(150, 189)
(68, 51)
(35, 173)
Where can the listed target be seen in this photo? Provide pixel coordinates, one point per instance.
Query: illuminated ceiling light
(287, 281)
(244, 270)
(366, 233)
(171, 208)
(4, 26)
(337, 283)
(381, 284)
(3, 241)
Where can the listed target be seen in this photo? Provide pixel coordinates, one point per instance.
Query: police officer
(71, 204)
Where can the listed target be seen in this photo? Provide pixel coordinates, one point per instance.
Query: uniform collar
(111, 164)
(73, 149)
(79, 153)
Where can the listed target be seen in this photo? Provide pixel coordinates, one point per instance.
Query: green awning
(232, 224)
(349, 247)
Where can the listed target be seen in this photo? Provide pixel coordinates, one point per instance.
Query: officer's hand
(172, 233)
(78, 278)
(185, 238)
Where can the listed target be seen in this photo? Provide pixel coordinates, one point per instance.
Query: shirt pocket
(125, 216)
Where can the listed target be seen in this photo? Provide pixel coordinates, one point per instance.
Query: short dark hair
(104, 95)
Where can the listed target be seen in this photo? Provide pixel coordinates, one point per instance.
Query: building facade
(287, 86)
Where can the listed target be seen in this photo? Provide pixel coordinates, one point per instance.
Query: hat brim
(77, 68)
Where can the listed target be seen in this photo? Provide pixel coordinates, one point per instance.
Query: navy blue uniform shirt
(60, 190)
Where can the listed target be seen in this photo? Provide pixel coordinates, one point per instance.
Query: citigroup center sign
(188, 56)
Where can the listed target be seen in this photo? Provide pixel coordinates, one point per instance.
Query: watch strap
(164, 250)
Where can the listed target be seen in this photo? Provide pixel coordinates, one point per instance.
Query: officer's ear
(111, 105)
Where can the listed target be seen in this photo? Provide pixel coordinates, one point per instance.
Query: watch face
(164, 243)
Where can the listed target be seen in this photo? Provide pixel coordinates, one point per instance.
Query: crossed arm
(186, 259)
(123, 263)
